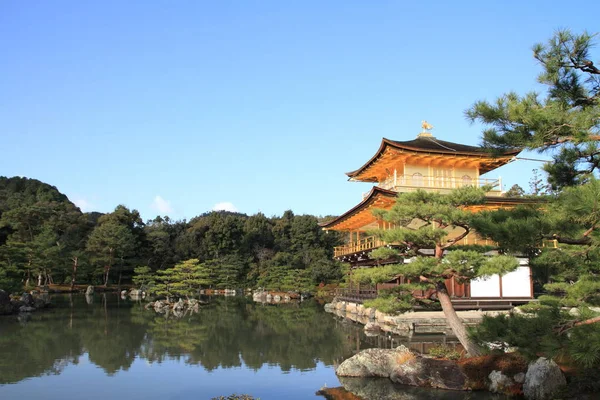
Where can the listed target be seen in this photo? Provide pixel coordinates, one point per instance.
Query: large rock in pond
(39, 302)
(429, 372)
(27, 299)
(543, 380)
(374, 362)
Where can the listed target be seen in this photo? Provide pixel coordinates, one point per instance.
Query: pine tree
(183, 280)
(564, 121)
(143, 277)
(567, 270)
(423, 221)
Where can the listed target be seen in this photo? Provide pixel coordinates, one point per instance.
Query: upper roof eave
(408, 145)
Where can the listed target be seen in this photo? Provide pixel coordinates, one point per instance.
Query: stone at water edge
(499, 382)
(519, 378)
(372, 327)
(27, 299)
(38, 303)
(373, 362)
(543, 380)
(429, 372)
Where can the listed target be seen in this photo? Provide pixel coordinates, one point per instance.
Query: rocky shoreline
(25, 304)
(401, 324)
(506, 374)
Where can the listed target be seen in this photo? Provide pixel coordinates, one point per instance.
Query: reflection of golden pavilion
(403, 166)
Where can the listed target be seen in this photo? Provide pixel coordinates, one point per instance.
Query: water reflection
(225, 333)
(231, 345)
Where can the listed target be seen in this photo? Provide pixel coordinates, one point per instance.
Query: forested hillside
(45, 239)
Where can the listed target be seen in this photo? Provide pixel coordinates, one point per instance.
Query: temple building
(435, 165)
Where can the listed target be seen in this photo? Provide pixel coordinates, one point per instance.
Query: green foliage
(384, 253)
(515, 191)
(517, 230)
(555, 330)
(377, 275)
(143, 277)
(10, 279)
(564, 121)
(183, 280)
(41, 232)
(445, 352)
(389, 304)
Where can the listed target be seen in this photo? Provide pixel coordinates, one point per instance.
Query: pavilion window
(467, 180)
(417, 179)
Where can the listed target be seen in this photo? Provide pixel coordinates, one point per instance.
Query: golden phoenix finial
(426, 125)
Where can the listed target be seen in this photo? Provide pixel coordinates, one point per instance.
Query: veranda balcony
(442, 184)
(371, 243)
(368, 243)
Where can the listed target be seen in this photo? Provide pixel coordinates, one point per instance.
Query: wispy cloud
(225, 206)
(83, 205)
(161, 205)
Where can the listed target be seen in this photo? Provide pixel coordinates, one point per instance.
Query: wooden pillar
(500, 281)
(531, 282)
(454, 183)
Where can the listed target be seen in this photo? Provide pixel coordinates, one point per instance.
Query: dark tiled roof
(430, 143)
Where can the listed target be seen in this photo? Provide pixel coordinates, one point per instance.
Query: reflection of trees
(44, 344)
(224, 333)
(110, 338)
(290, 335)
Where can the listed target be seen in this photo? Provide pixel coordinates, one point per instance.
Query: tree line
(45, 239)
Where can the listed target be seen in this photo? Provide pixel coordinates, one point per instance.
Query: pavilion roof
(361, 214)
(429, 145)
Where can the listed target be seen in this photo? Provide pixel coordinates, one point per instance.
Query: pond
(107, 347)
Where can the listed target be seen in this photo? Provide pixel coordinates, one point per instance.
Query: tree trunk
(110, 258)
(454, 322)
(74, 272)
(106, 275)
(120, 274)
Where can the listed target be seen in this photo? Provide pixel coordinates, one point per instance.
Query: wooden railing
(367, 243)
(355, 295)
(404, 183)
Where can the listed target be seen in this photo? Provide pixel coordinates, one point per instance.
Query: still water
(107, 347)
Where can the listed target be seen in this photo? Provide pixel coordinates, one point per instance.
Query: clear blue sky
(181, 105)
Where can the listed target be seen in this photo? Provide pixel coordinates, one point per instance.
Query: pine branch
(565, 327)
(585, 240)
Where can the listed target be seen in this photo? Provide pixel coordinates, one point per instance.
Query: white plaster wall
(421, 169)
(517, 283)
(488, 287)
